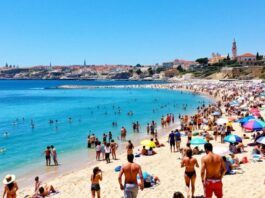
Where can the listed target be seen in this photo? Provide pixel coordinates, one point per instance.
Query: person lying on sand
(46, 190)
(151, 152)
(144, 151)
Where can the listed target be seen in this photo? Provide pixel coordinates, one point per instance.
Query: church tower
(234, 50)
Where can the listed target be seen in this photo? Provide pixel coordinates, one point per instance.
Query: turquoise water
(92, 111)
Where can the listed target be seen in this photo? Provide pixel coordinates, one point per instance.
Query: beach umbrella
(221, 150)
(216, 113)
(254, 125)
(221, 121)
(261, 140)
(148, 143)
(198, 141)
(254, 110)
(234, 103)
(232, 138)
(245, 119)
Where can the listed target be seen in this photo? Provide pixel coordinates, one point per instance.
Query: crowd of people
(205, 123)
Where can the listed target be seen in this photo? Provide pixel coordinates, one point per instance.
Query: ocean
(23, 102)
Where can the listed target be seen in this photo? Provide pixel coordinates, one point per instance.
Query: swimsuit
(213, 186)
(95, 187)
(190, 174)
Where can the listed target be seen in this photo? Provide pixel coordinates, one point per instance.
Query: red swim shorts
(212, 186)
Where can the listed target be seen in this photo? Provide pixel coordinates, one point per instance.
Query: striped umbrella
(232, 138)
(198, 141)
(261, 140)
(254, 125)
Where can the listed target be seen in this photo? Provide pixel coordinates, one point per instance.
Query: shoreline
(162, 133)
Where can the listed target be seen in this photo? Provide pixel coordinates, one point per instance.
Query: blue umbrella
(232, 138)
(261, 140)
(245, 119)
(197, 141)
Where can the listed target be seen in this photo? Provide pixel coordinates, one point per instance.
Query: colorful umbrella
(254, 125)
(232, 138)
(261, 140)
(197, 141)
(148, 143)
(221, 150)
(245, 119)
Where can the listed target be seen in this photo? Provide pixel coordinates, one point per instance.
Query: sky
(65, 32)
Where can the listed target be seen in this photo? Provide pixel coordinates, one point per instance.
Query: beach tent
(198, 141)
(221, 150)
(232, 138)
(148, 143)
(261, 140)
(254, 125)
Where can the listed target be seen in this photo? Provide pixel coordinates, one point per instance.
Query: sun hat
(9, 179)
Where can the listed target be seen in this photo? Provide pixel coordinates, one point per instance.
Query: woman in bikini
(190, 174)
(95, 178)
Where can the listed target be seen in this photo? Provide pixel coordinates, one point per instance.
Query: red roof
(247, 55)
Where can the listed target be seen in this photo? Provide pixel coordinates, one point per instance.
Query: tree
(180, 69)
(138, 65)
(258, 57)
(159, 69)
(228, 57)
(202, 61)
(138, 71)
(150, 71)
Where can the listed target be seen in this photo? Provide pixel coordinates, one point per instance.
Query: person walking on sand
(123, 134)
(130, 170)
(190, 174)
(212, 171)
(95, 178)
(11, 187)
(107, 149)
(47, 153)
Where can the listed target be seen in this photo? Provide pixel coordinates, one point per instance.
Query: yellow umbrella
(148, 143)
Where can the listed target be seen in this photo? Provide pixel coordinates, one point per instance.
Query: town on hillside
(244, 66)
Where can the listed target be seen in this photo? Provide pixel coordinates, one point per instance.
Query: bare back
(130, 171)
(189, 164)
(213, 165)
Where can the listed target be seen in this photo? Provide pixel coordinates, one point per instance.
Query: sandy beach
(166, 166)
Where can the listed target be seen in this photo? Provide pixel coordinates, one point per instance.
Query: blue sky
(35, 32)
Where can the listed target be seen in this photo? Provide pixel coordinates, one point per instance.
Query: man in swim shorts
(171, 139)
(214, 167)
(131, 170)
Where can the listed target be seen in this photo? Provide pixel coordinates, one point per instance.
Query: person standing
(130, 170)
(212, 171)
(47, 153)
(113, 147)
(96, 177)
(110, 136)
(11, 187)
(178, 140)
(107, 149)
(190, 174)
(171, 140)
(123, 134)
(98, 150)
(148, 129)
(54, 155)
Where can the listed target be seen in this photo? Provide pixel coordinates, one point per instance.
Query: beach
(166, 166)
